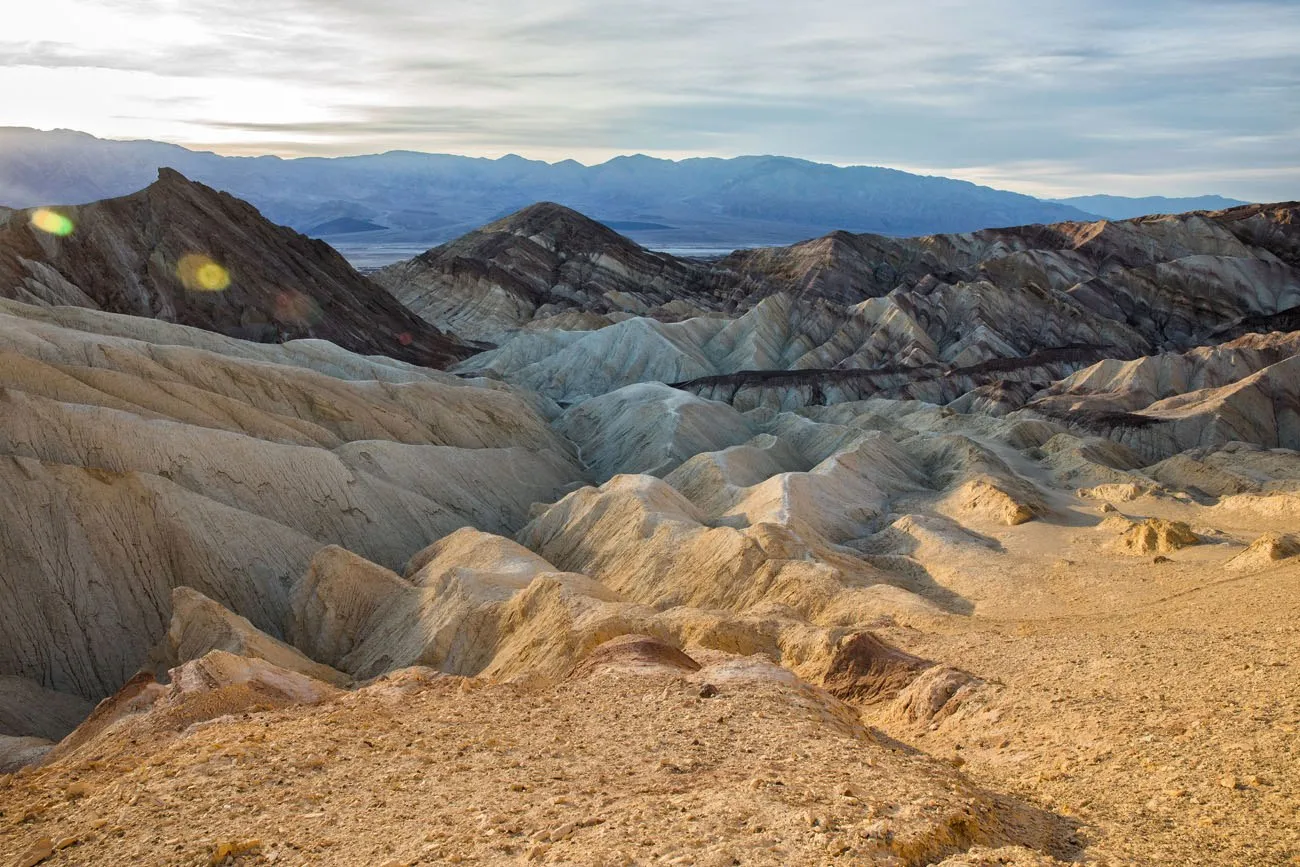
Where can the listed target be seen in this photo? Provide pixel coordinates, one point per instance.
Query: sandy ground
(1156, 703)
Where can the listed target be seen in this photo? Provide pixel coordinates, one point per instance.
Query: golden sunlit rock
(52, 222)
(198, 273)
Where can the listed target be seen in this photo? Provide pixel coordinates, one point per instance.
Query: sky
(1131, 97)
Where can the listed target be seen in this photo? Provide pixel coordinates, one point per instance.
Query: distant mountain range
(423, 199)
(1125, 208)
(415, 200)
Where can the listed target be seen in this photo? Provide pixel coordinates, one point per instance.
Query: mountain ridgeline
(430, 198)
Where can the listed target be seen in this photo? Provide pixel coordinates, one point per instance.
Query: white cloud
(1192, 92)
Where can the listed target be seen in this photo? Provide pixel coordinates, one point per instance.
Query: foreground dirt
(611, 768)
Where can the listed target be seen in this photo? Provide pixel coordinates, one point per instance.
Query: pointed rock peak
(555, 221)
(175, 185)
(542, 212)
(169, 177)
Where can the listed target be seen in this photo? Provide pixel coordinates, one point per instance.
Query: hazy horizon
(558, 160)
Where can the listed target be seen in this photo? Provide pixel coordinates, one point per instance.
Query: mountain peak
(556, 221)
(183, 252)
(168, 175)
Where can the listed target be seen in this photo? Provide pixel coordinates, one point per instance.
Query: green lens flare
(51, 222)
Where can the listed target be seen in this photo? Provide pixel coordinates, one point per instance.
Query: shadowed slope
(144, 254)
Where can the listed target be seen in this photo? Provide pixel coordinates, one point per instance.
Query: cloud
(1153, 97)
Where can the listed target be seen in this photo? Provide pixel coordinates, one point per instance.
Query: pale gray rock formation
(649, 428)
(1262, 407)
(336, 601)
(645, 541)
(137, 456)
(839, 498)
(1087, 461)
(570, 366)
(200, 626)
(29, 710)
(990, 321)
(18, 753)
(453, 614)
(1128, 386)
(1235, 468)
(90, 558)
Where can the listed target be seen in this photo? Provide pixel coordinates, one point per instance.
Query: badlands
(545, 548)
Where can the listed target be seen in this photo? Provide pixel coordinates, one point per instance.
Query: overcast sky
(1136, 97)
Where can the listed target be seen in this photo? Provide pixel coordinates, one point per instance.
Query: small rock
(233, 849)
(1229, 782)
(36, 853)
(538, 852)
(708, 691)
(1161, 559)
(877, 831)
(78, 790)
(66, 842)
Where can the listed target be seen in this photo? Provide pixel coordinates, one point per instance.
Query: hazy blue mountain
(344, 226)
(424, 199)
(1125, 208)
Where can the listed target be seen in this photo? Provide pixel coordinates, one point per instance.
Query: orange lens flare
(51, 222)
(198, 273)
(295, 308)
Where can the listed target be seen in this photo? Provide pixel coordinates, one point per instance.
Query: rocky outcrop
(866, 669)
(635, 653)
(185, 253)
(1265, 552)
(215, 685)
(1150, 536)
(649, 428)
(1164, 276)
(546, 260)
(996, 320)
(200, 626)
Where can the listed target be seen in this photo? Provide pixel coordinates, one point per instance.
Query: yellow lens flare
(198, 273)
(51, 222)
